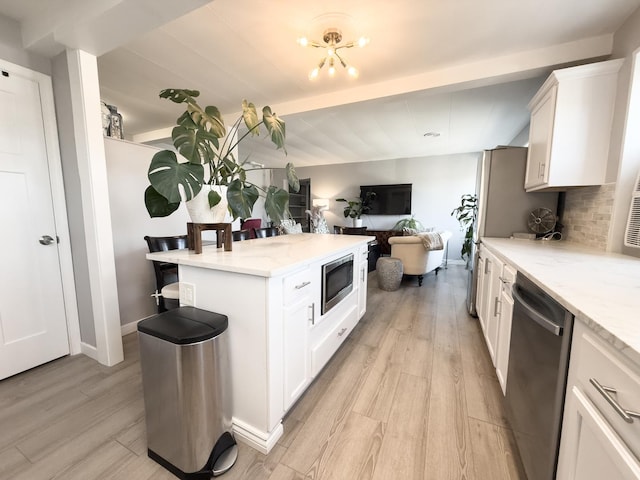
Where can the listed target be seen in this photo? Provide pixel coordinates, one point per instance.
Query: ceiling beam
(97, 26)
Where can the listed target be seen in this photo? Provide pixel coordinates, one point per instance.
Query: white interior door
(33, 327)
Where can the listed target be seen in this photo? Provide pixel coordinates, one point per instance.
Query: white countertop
(265, 257)
(601, 289)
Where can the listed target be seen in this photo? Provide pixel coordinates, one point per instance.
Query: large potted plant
(358, 207)
(211, 171)
(466, 214)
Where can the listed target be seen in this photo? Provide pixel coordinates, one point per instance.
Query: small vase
(199, 210)
(357, 222)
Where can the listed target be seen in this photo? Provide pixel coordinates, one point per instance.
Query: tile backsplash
(587, 215)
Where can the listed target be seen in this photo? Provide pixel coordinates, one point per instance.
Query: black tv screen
(390, 199)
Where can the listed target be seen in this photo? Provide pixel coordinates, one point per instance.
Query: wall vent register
(632, 233)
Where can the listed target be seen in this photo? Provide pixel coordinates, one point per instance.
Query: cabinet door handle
(312, 319)
(341, 332)
(362, 275)
(486, 267)
(302, 285)
(495, 306)
(627, 415)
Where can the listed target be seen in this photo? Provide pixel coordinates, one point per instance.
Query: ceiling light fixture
(332, 38)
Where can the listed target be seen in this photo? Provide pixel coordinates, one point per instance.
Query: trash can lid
(184, 325)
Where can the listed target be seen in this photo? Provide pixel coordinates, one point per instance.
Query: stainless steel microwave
(337, 281)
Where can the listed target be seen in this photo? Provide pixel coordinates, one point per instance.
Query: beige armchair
(416, 258)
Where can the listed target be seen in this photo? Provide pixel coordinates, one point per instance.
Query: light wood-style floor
(411, 394)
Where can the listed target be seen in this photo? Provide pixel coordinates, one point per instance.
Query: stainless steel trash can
(184, 360)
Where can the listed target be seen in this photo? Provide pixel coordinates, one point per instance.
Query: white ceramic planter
(357, 222)
(199, 210)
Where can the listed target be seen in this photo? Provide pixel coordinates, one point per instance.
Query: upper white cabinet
(571, 117)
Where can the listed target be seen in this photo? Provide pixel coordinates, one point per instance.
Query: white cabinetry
(363, 271)
(298, 315)
(597, 442)
(495, 308)
(482, 287)
(278, 338)
(489, 299)
(571, 118)
(507, 280)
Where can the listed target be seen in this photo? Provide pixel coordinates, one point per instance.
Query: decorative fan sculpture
(541, 221)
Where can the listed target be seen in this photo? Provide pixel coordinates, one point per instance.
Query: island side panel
(254, 365)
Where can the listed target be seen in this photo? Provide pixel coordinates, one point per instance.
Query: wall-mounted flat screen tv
(390, 199)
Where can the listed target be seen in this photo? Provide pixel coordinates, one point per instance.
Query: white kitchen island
(279, 340)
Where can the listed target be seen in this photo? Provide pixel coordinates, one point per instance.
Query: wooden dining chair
(167, 286)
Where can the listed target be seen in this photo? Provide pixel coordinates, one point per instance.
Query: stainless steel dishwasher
(537, 376)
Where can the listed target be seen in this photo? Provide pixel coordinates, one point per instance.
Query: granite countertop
(601, 289)
(265, 257)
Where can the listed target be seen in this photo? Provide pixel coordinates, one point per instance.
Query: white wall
(624, 154)
(12, 51)
(438, 183)
(127, 165)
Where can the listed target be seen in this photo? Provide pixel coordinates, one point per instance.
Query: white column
(89, 144)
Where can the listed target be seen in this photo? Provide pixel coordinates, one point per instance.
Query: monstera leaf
(292, 178)
(193, 143)
(166, 175)
(241, 198)
(250, 117)
(275, 203)
(275, 126)
(179, 95)
(157, 205)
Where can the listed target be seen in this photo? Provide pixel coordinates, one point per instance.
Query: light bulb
(353, 72)
(303, 41)
(330, 52)
(332, 71)
(314, 73)
(362, 41)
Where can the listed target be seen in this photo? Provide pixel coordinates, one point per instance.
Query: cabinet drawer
(324, 350)
(598, 361)
(297, 285)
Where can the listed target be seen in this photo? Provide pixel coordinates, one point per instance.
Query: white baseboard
(89, 350)
(258, 440)
(457, 262)
(131, 327)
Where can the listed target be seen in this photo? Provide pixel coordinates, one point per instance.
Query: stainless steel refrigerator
(503, 205)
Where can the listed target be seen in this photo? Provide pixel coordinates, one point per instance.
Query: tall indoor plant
(466, 214)
(354, 209)
(209, 149)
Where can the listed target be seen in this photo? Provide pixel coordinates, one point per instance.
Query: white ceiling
(463, 68)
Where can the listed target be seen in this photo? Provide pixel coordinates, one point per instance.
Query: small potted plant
(356, 208)
(201, 137)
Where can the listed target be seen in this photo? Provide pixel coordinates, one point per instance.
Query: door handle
(47, 240)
